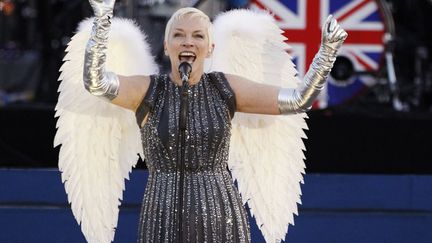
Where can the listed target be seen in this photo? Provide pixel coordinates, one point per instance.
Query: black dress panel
(212, 209)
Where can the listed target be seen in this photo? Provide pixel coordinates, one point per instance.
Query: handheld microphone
(185, 69)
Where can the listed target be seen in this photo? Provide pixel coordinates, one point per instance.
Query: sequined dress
(212, 208)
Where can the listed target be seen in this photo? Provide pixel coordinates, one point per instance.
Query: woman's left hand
(333, 35)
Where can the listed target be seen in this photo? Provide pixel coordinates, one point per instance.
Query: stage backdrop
(336, 208)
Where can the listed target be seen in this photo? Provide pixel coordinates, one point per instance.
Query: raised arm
(300, 100)
(120, 90)
(253, 97)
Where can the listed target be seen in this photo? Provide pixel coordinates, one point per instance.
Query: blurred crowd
(34, 34)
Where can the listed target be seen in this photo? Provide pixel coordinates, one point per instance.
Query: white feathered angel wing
(266, 153)
(100, 141)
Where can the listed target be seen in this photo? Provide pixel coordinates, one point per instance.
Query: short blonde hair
(193, 12)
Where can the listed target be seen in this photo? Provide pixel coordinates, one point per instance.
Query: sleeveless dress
(212, 210)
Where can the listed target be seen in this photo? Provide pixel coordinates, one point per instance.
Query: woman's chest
(208, 123)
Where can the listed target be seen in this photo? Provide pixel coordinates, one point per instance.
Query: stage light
(7, 7)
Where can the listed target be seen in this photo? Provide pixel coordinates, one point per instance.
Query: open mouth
(187, 56)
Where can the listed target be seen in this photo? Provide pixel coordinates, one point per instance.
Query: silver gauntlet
(301, 99)
(96, 80)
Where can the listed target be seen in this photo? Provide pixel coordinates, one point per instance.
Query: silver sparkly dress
(212, 209)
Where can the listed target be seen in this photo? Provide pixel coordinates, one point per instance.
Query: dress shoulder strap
(221, 83)
(149, 99)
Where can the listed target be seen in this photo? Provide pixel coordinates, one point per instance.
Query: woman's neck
(193, 79)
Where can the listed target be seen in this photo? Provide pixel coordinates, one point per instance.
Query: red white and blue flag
(302, 20)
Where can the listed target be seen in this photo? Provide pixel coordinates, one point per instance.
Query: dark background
(366, 135)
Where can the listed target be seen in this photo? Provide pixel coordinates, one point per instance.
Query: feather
(266, 153)
(100, 142)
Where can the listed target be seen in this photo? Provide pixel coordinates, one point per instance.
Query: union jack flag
(302, 20)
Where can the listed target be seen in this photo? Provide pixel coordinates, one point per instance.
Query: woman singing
(203, 204)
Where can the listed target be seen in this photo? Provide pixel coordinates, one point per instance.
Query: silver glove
(96, 80)
(300, 100)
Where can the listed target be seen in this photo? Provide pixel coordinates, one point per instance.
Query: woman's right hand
(96, 80)
(102, 7)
